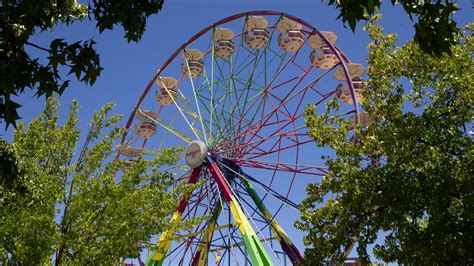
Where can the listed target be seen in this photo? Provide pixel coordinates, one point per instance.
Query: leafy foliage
(60, 206)
(21, 19)
(435, 30)
(410, 174)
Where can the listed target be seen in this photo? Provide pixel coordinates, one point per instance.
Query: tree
(62, 207)
(409, 175)
(435, 31)
(21, 19)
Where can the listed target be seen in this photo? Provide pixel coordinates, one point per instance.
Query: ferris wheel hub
(196, 152)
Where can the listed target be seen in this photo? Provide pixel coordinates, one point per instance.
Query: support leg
(257, 252)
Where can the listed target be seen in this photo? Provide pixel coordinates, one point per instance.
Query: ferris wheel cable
(251, 219)
(229, 209)
(238, 98)
(219, 200)
(181, 111)
(198, 201)
(265, 189)
(294, 174)
(210, 224)
(165, 135)
(195, 98)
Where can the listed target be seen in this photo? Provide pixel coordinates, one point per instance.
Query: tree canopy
(435, 30)
(22, 19)
(63, 205)
(407, 179)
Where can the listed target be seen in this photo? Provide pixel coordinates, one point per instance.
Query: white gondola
(344, 94)
(364, 120)
(355, 71)
(256, 35)
(193, 64)
(322, 56)
(291, 37)
(167, 94)
(131, 151)
(223, 45)
(145, 115)
(146, 128)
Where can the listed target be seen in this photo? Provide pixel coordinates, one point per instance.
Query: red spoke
(258, 155)
(287, 98)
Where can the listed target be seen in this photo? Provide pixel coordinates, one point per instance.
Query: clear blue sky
(129, 66)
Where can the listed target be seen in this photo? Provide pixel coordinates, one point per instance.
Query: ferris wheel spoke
(223, 85)
(288, 97)
(274, 149)
(255, 102)
(266, 121)
(280, 68)
(180, 109)
(239, 107)
(284, 167)
(250, 79)
(242, 117)
(211, 90)
(265, 116)
(196, 100)
(237, 97)
(277, 135)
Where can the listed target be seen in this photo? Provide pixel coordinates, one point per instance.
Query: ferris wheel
(234, 97)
